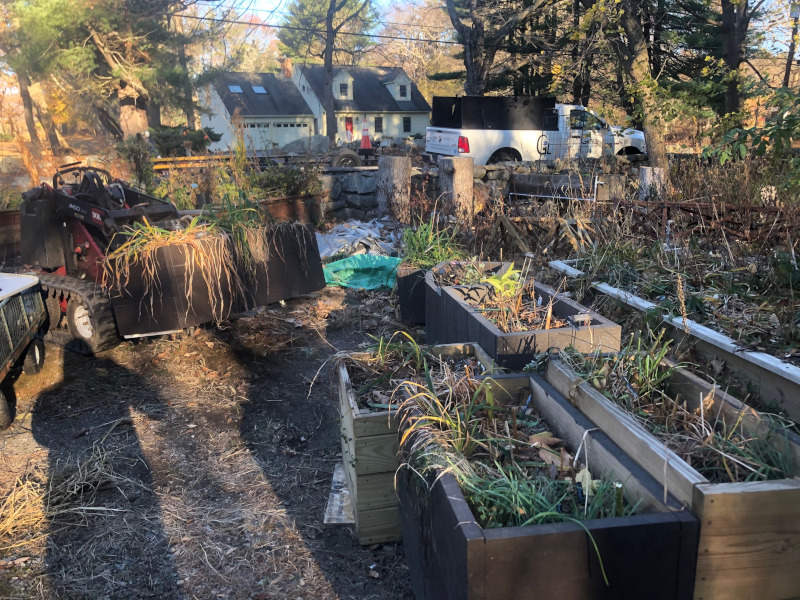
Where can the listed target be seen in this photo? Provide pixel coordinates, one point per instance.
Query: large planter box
(461, 321)
(646, 556)
(749, 532)
(369, 452)
(410, 289)
(437, 304)
(293, 268)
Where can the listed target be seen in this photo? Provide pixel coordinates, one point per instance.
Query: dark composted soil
(194, 467)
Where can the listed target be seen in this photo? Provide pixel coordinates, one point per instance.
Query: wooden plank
(749, 540)
(604, 455)
(379, 526)
(339, 509)
(730, 411)
(376, 453)
(375, 490)
(663, 464)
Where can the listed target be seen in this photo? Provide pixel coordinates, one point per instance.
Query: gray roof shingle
(282, 97)
(370, 93)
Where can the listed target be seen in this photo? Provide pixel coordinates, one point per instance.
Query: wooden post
(394, 187)
(456, 186)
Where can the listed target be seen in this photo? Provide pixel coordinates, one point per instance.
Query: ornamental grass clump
(428, 244)
(512, 469)
(637, 379)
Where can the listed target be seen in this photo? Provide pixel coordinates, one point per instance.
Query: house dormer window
(343, 87)
(403, 91)
(235, 89)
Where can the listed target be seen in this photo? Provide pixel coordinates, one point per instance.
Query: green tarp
(362, 271)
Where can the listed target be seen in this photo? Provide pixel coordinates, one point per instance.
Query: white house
(383, 96)
(268, 107)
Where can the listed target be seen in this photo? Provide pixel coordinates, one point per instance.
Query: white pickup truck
(493, 129)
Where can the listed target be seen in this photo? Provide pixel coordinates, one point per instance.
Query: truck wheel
(5, 411)
(34, 357)
(81, 321)
(503, 156)
(346, 158)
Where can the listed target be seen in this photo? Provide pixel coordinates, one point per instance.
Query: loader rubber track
(56, 287)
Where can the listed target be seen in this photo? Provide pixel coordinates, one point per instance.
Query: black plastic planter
(411, 294)
(460, 320)
(437, 304)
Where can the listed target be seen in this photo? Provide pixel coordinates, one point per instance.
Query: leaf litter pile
(511, 467)
(637, 379)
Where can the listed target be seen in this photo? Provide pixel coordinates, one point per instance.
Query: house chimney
(286, 67)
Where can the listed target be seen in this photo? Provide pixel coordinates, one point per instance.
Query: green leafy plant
(428, 244)
(506, 284)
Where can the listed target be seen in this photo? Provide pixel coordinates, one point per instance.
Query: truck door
(585, 135)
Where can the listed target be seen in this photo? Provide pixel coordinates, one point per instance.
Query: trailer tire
(346, 158)
(34, 357)
(5, 411)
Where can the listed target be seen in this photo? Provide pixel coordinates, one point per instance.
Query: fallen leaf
(562, 460)
(544, 439)
(584, 477)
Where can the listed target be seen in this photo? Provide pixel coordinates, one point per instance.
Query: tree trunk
(787, 75)
(327, 93)
(394, 187)
(153, 114)
(53, 138)
(109, 122)
(637, 64)
(188, 91)
(731, 55)
(27, 109)
(457, 188)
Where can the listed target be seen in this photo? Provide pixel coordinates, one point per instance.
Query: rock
(317, 144)
(496, 173)
(359, 183)
(478, 172)
(333, 206)
(363, 202)
(420, 144)
(349, 213)
(522, 169)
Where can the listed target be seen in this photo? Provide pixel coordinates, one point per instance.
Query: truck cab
(494, 129)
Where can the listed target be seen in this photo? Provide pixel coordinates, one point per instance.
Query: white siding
(392, 124)
(314, 103)
(218, 120)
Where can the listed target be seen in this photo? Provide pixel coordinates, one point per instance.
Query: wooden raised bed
(650, 555)
(437, 304)
(369, 452)
(461, 321)
(749, 532)
(773, 379)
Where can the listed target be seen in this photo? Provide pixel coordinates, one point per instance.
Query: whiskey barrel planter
(460, 320)
(649, 555)
(437, 304)
(410, 289)
(369, 451)
(749, 543)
